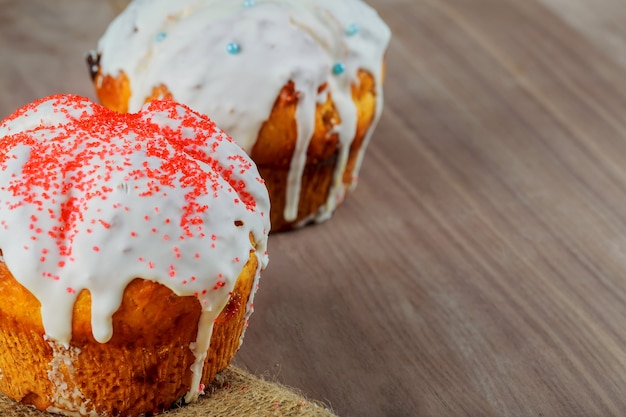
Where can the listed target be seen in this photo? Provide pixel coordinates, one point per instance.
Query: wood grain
(480, 267)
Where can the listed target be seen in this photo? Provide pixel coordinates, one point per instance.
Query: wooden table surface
(479, 268)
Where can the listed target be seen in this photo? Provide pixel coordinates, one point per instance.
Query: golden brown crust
(277, 138)
(159, 92)
(276, 141)
(145, 367)
(279, 133)
(364, 97)
(113, 92)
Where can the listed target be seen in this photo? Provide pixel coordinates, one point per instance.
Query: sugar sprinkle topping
(83, 190)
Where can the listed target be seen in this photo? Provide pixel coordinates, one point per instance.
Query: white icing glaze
(183, 45)
(90, 199)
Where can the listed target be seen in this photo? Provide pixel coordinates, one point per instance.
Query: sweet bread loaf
(297, 83)
(131, 249)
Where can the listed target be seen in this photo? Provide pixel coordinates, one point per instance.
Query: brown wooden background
(480, 267)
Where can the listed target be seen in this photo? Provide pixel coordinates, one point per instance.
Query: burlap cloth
(235, 393)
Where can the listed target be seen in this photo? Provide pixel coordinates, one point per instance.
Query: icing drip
(199, 349)
(91, 199)
(230, 59)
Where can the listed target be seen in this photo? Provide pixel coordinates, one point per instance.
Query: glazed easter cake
(297, 83)
(132, 247)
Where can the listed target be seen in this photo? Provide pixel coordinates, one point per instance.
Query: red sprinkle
(78, 162)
